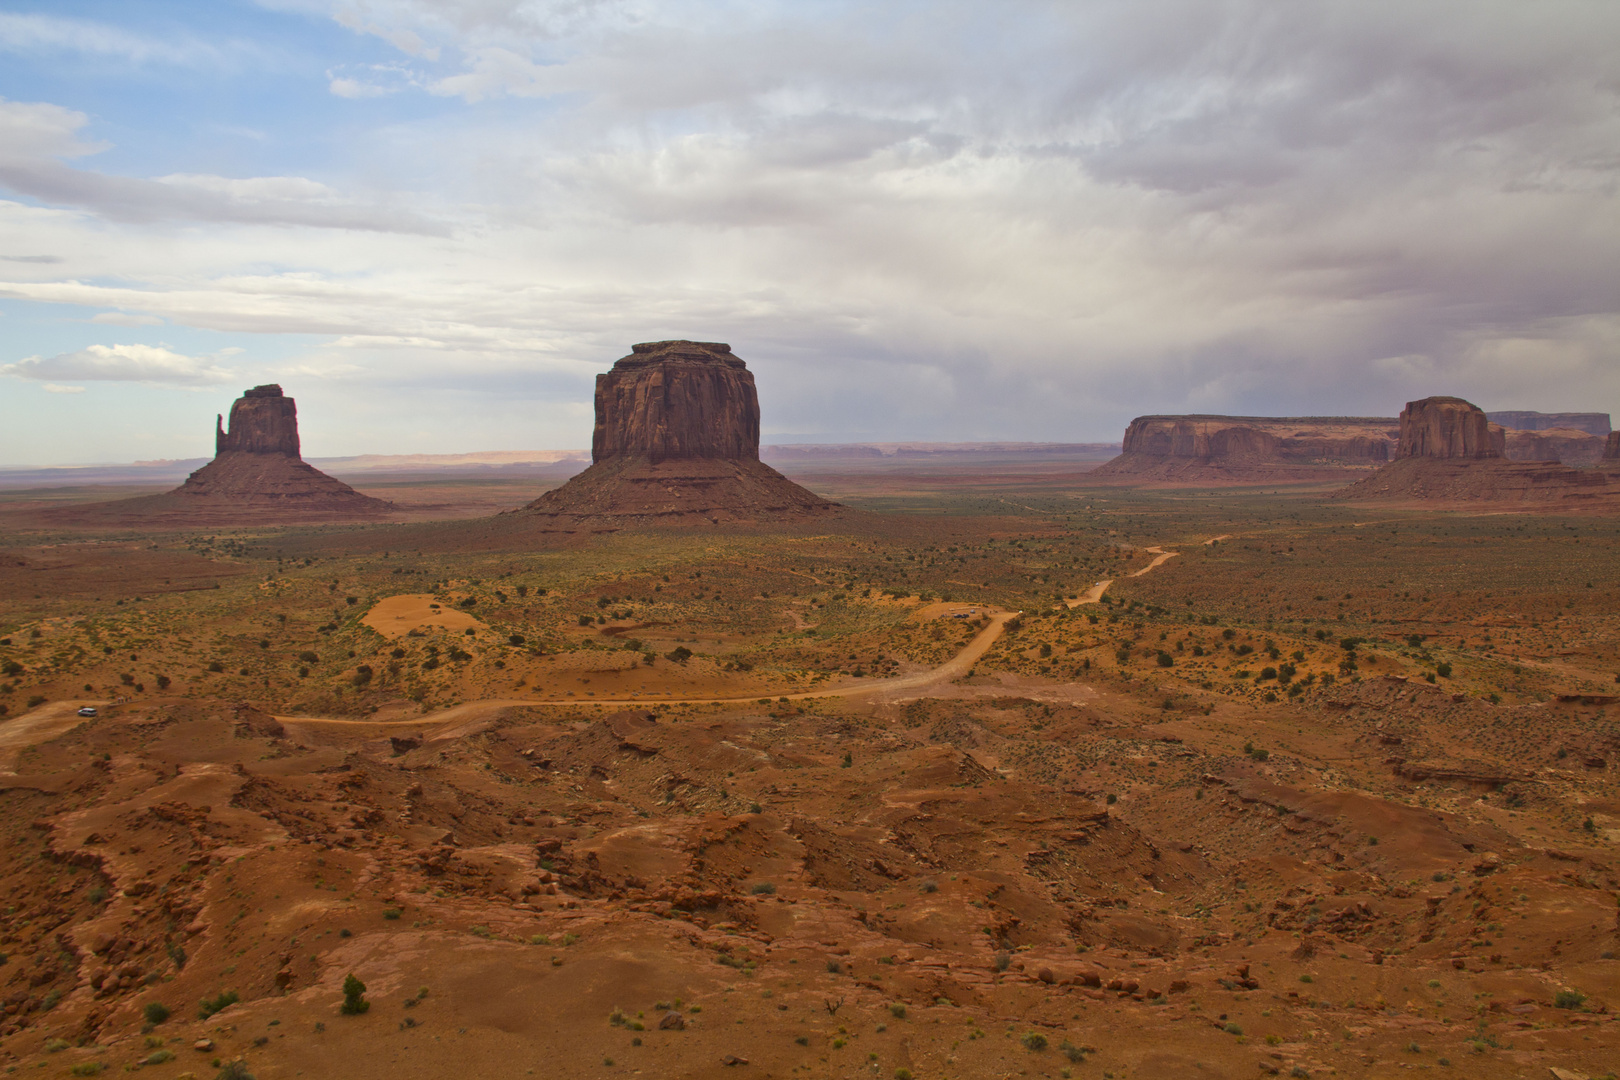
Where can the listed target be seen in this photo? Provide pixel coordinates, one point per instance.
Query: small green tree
(354, 1001)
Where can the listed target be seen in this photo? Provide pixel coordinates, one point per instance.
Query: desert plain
(985, 773)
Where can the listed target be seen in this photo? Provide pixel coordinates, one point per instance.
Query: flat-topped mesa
(263, 421)
(1208, 449)
(1446, 427)
(1593, 423)
(671, 400)
(1303, 439)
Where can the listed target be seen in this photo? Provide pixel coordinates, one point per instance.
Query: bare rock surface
(1611, 449)
(676, 441)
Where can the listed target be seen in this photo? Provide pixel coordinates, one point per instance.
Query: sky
(435, 221)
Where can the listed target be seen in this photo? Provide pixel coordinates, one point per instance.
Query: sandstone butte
(1448, 452)
(1203, 449)
(257, 475)
(676, 442)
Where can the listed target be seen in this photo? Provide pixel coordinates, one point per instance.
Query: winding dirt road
(49, 721)
(1160, 557)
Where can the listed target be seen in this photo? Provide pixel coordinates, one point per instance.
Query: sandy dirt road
(954, 668)
(1160, 557)
(37, 726)
(49, 721)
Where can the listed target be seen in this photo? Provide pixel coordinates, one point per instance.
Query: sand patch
(397, 616)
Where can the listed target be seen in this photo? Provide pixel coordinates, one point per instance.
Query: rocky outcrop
(677, 399)
(1593, 423)
(1451, 454)
(1570, 446)
(256, 476)
(676, 442)
(1445, 427)
(1611, 448)
(1206, 449)
(263, 421)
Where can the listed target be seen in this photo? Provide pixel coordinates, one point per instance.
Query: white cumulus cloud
(122, 363)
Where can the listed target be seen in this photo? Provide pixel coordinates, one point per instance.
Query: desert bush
(1034, 1041)
(209, 1006)
(763, 888)
(897, 1010)
(354, 1000)
(36, 700)
(1569, 999)
(155, 1012)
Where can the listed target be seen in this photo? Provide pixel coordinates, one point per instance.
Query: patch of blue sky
(226, 88)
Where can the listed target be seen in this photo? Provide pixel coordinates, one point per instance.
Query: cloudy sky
(434, 221)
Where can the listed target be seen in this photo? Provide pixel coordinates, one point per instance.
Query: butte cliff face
(672, 400)
(257, 475)
(1199, 449)
(1450, 452)
(1445, 427)
(1611, 450)
(676, 441)
(263, 421)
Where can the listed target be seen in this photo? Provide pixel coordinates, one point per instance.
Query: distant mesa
(1592, 423)
(677, 442)
(1207, 449)
(256, 476)
(1449, 452)
(1571, 446)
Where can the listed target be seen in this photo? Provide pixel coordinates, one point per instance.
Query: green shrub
(56, 1046)
(234, 1070)
(158, 1057)
(354, 1002)
(1232, 1029)
(86, 1068)
(898, 1010)
(210, 1006)
(1034, 1041)
(763, 888)
(1569, 999)
(155, 1012)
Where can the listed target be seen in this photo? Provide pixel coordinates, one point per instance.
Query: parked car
(88, 710)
